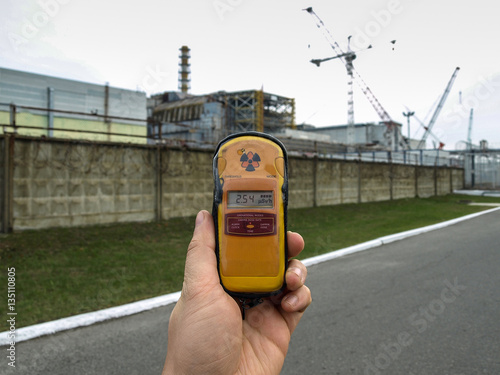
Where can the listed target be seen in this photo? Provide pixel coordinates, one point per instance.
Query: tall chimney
(184, 69)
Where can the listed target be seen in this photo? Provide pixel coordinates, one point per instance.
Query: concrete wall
(339, 181)
(187, 183)
(70, 183)
(67, 184)
(2, 183)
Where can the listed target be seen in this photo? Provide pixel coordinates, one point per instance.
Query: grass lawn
(67, 271)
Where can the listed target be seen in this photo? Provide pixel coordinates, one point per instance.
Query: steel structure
(257, 110)
(205, 119)
(482, 167)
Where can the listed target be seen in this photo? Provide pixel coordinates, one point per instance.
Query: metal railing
(154, 134)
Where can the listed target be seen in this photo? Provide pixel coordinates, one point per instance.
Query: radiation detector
(250, 214)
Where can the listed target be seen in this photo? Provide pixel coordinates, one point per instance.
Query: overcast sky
(249, 44)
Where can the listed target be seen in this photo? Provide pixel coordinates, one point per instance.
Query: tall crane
(435, 115)
(349, 56)
(352, 73)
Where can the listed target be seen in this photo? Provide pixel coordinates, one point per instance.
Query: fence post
(391, 180)
(416, 180)
(341, 181)
(450, 172)
(50, 113)
(5, 185)
(8, 172)
(435, 181)
(473, 169)
(359, 181)
(315, 180)
(159, 183)
(13, 111)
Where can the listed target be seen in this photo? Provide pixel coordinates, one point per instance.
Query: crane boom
(333, 43)
(435, 115)
(441, 144)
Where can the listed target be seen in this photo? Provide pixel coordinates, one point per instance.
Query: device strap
(248, 303)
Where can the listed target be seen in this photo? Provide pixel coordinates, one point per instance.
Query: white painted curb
(390, 238)
(37, 330)
(48, 328)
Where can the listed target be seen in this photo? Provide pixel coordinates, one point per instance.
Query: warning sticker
(250, 224)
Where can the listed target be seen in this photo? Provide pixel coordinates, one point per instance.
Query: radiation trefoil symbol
(250, 161)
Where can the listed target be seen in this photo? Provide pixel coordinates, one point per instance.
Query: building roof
(196, 100)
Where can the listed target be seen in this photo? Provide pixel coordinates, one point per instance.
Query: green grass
(67, 271)
(335, 227)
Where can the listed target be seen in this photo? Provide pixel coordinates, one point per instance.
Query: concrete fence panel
(403, 181)
(187, 182)
(302, 177)
(375, 182)
(425, 181)
(71, 183)
(51, 183)
(329, 186)
(350, 182)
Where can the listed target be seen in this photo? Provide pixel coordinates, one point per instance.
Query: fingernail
(291, 299)
(297, 271)
(199, 218)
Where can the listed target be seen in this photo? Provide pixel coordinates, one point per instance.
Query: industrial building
(55, 107)
(40, 105)
(367, 135)
(205, 119)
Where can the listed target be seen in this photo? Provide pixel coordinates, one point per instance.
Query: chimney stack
(184, 69)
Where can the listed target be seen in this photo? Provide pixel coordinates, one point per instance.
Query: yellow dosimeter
(250, 211)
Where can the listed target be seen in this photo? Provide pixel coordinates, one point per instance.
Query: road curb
(82, 320)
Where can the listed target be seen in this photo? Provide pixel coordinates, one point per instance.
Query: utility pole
(408, 115)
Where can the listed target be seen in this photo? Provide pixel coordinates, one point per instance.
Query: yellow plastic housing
(251, 225)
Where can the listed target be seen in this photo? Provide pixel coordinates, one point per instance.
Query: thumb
(201, 263)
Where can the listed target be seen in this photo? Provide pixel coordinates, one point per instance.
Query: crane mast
(469, 131)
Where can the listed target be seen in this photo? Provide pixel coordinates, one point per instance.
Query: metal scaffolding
(257, 110)
(482, 168)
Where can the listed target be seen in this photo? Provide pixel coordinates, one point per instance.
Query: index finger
(295, 244)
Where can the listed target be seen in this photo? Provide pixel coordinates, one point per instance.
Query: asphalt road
(429, 304)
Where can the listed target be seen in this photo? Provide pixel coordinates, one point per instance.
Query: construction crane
(469, 131)
(436, 139)
(347, 58)
(435, 115)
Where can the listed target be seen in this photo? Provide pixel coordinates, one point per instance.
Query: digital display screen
(256, 199)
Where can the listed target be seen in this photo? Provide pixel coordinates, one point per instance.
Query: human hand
(206, 334)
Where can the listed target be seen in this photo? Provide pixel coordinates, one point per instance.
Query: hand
(206, 334)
